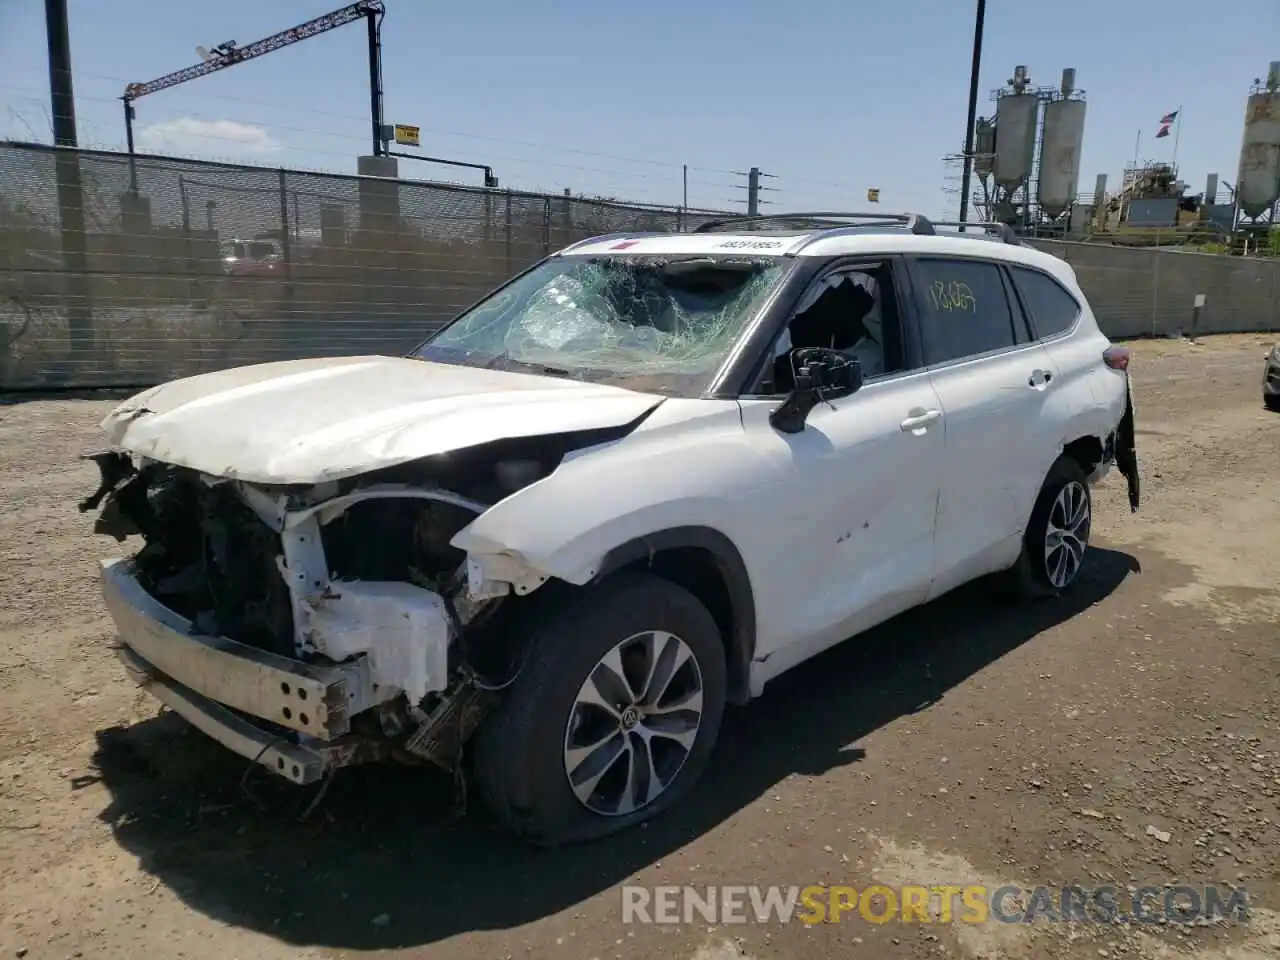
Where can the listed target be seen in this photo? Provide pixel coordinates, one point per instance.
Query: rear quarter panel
(1094, 394)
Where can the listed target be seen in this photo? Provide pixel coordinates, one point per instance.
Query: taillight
(1117, 358)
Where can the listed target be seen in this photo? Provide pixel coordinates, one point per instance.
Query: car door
(1054, 316)
(994, 383)
(851, 498)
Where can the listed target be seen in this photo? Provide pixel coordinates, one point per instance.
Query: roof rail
(826, 221)
(1002, 230)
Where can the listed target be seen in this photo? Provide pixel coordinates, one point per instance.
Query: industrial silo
(1258, 182)
(1017, 111)
(1060, 149)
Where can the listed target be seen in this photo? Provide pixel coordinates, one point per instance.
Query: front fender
(573, 551)
(677, 482)
(583, 562)
(680, 468)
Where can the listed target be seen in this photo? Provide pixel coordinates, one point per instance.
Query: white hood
(309, 421)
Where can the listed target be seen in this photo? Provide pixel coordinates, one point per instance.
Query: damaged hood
(310, 421)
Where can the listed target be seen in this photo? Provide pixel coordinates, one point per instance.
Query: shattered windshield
(650, 323)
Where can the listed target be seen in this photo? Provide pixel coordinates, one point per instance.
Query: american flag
(1165, 123)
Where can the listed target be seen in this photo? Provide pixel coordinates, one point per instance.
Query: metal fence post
(188, 265)
(506, 231)
(81, 334)
(546, 226)
(286, 244)
(1155, 291)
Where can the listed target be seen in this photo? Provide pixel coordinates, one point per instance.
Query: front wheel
(1057, 536)
(613, 718)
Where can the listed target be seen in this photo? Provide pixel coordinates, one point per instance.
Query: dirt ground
(969, 742)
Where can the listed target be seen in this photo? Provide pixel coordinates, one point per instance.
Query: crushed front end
(303, 628)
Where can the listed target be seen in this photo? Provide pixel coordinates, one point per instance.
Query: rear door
(1054, 315)
(995, 385)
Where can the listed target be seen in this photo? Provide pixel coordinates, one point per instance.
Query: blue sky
(611, 99)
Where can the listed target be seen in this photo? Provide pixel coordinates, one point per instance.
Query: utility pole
(966, 175)
(754, 175)
(373, 23)
(70, 188)
(61, 88)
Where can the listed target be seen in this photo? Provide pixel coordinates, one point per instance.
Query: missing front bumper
(315, 701)
(295, 762)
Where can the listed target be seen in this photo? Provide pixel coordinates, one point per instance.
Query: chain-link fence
(193, 266)
(190, 266)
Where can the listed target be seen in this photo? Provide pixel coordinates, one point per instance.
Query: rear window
(1052, 309)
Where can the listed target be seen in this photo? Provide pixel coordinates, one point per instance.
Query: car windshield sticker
(750, 244)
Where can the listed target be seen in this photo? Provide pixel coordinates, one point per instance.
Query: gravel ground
(1127, 734)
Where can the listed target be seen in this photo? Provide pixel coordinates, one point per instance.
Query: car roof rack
(1003, 231)
(825, 221)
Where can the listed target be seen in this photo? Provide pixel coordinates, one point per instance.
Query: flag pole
(1177, 133)
(1137, 146)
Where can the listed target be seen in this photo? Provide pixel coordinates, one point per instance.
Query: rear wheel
(1271, 401)
(1057, 536)
(614, 717)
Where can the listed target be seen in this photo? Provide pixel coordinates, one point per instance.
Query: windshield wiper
(543, 368)
(503, 360)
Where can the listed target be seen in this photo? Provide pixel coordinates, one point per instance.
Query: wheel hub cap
(633, 723)
(1067, 534)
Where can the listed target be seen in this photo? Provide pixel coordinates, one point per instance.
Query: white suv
(633, 484)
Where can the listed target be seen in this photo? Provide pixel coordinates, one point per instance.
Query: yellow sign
(873, 195)
(407, 135)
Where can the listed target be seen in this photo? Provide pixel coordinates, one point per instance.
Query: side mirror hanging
(821, 375)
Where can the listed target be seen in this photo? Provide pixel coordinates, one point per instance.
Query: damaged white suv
(632, 485)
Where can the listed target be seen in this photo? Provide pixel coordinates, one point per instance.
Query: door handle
(1039, 378)
(920, 421)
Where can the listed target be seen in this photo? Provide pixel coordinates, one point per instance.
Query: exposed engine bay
(355, 570)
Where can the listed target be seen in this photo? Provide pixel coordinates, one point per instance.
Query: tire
(1271, 401)
(1042, 571)
(521, 752)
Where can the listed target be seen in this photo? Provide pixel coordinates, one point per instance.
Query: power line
(472, 135)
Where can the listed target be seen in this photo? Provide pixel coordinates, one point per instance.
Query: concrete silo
(1258, 181)
(1017, 116)
(1063, 138)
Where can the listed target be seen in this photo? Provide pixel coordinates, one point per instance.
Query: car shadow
(382, 861)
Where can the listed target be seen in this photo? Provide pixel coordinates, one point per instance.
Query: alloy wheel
(633, 723)
(1067, 534)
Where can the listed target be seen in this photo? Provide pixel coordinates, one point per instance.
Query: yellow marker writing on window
(952, 295)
